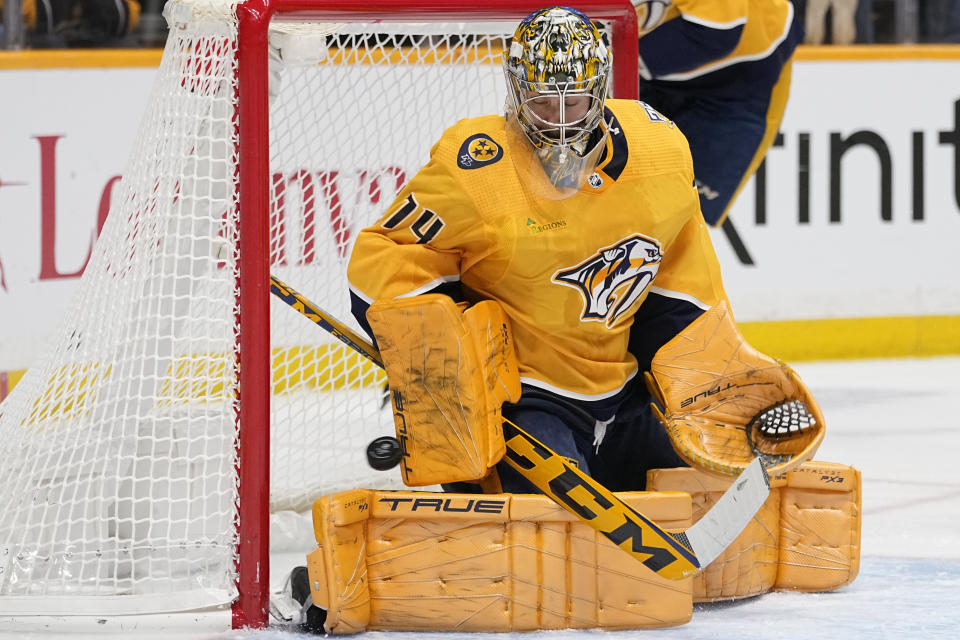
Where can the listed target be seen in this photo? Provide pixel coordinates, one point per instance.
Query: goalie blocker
(423, 561)
(450, 369)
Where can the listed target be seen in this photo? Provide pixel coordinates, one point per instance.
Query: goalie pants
(631, 445)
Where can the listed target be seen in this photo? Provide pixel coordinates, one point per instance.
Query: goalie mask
(556, 71)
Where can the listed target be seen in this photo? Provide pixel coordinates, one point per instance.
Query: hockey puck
(383, 453)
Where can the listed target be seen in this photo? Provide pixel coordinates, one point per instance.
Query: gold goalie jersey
(571, 275)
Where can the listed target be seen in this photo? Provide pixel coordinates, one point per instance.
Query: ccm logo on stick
(450, 505)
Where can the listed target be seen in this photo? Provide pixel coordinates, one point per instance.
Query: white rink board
(862, 266)
(66, 137)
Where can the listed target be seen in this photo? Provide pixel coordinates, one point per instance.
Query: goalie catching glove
(723, 403)
(449, 373)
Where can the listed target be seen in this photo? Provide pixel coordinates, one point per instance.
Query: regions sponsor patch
(536, 227)
(478, 151)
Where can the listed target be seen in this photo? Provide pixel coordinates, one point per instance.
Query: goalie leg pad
(749, 565)
(423, 561)
(449, 374)
(819, 527)
(806, 537)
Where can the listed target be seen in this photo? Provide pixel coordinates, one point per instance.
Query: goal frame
(252, 129)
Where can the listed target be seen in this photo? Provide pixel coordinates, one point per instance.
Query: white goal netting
(119, 450)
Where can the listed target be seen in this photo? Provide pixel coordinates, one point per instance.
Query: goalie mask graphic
(556, 70)
(614, 278)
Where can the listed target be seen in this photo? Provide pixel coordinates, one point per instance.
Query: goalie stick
(672, 555)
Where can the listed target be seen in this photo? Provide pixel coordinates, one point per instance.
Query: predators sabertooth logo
(614, 278)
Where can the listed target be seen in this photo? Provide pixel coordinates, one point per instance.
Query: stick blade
(721, 525)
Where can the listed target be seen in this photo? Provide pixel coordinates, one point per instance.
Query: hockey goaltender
(562, 359)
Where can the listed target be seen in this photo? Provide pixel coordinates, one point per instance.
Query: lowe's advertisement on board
(854, 214)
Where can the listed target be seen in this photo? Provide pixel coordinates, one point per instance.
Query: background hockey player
(721, 70)
(578, 216)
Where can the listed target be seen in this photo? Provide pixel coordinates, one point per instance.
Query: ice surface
(896, 420)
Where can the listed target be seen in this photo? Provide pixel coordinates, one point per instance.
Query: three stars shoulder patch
(479, 150)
